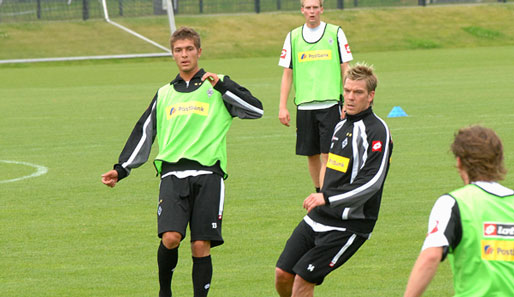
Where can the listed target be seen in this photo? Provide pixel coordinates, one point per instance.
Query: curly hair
(185, 33)
(481, 153)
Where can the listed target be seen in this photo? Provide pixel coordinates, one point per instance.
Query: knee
(283, 277)
(201, 248)
(171, 240)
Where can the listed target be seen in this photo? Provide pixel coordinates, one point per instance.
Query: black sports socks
(202, 275)
(167, 261)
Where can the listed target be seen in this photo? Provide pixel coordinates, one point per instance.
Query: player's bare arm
(424, 271)
(285, 87)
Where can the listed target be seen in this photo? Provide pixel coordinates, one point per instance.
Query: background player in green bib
(190, 118)
(315, 57)
(473, 225)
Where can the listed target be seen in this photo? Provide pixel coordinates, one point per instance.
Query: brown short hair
(481, 153)
(185, 33)
(361, 71)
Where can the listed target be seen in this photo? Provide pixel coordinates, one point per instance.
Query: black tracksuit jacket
(358, 164)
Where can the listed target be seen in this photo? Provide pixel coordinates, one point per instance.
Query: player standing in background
(340, 218)
(315, 57)
(473, 225)
(190, 117)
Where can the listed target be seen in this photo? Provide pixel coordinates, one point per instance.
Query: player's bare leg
(171, 240)
(324, 159)
(283, 282)
(314, 162)
(302, 288)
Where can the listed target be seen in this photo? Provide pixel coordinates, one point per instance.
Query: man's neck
(188, 75)
(312, 26)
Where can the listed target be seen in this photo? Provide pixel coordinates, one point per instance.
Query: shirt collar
(179, 79)
(360, 115)
(494, 188)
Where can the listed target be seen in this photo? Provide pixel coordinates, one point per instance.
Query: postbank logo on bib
(338, 163)
(498, 250)
(501, 249)
(314, 55)
(187, 108)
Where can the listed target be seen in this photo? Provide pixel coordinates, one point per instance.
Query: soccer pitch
(64, 233)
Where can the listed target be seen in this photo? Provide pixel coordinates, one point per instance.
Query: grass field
(262, 35)
(66, 234)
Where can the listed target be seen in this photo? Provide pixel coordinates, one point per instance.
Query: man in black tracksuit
(342, 216)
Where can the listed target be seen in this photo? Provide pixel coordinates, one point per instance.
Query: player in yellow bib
(190, 117)
(315, 57)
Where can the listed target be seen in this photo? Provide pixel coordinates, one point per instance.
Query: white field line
(40, 170)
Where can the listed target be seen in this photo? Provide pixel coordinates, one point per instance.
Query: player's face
(312, 11)
(356, 96)
(186, 55)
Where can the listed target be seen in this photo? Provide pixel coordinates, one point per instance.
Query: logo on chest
(314, 55)
(187, 108)
(344, 143)
(337, 162)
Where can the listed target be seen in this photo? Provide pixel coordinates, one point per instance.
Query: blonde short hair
(320, 2)
(362, 71)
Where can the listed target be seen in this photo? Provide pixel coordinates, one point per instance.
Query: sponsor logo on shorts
(311, 268)
(314, 55)
(338, 163)
(500, 230)
(187, 108)
(376, 146)
(498, 250)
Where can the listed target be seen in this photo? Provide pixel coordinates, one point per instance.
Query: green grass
(66, 234)
(262, 35)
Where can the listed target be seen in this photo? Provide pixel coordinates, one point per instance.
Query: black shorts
(314, 130)
(197, 200)
(313, 255)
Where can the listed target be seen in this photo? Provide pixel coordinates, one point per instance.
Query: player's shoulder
(332, 26)
(165, 87)
(445, 201)
(376, 123)
(295, 32)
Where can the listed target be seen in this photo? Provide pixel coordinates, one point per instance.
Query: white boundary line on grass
(40, 171)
